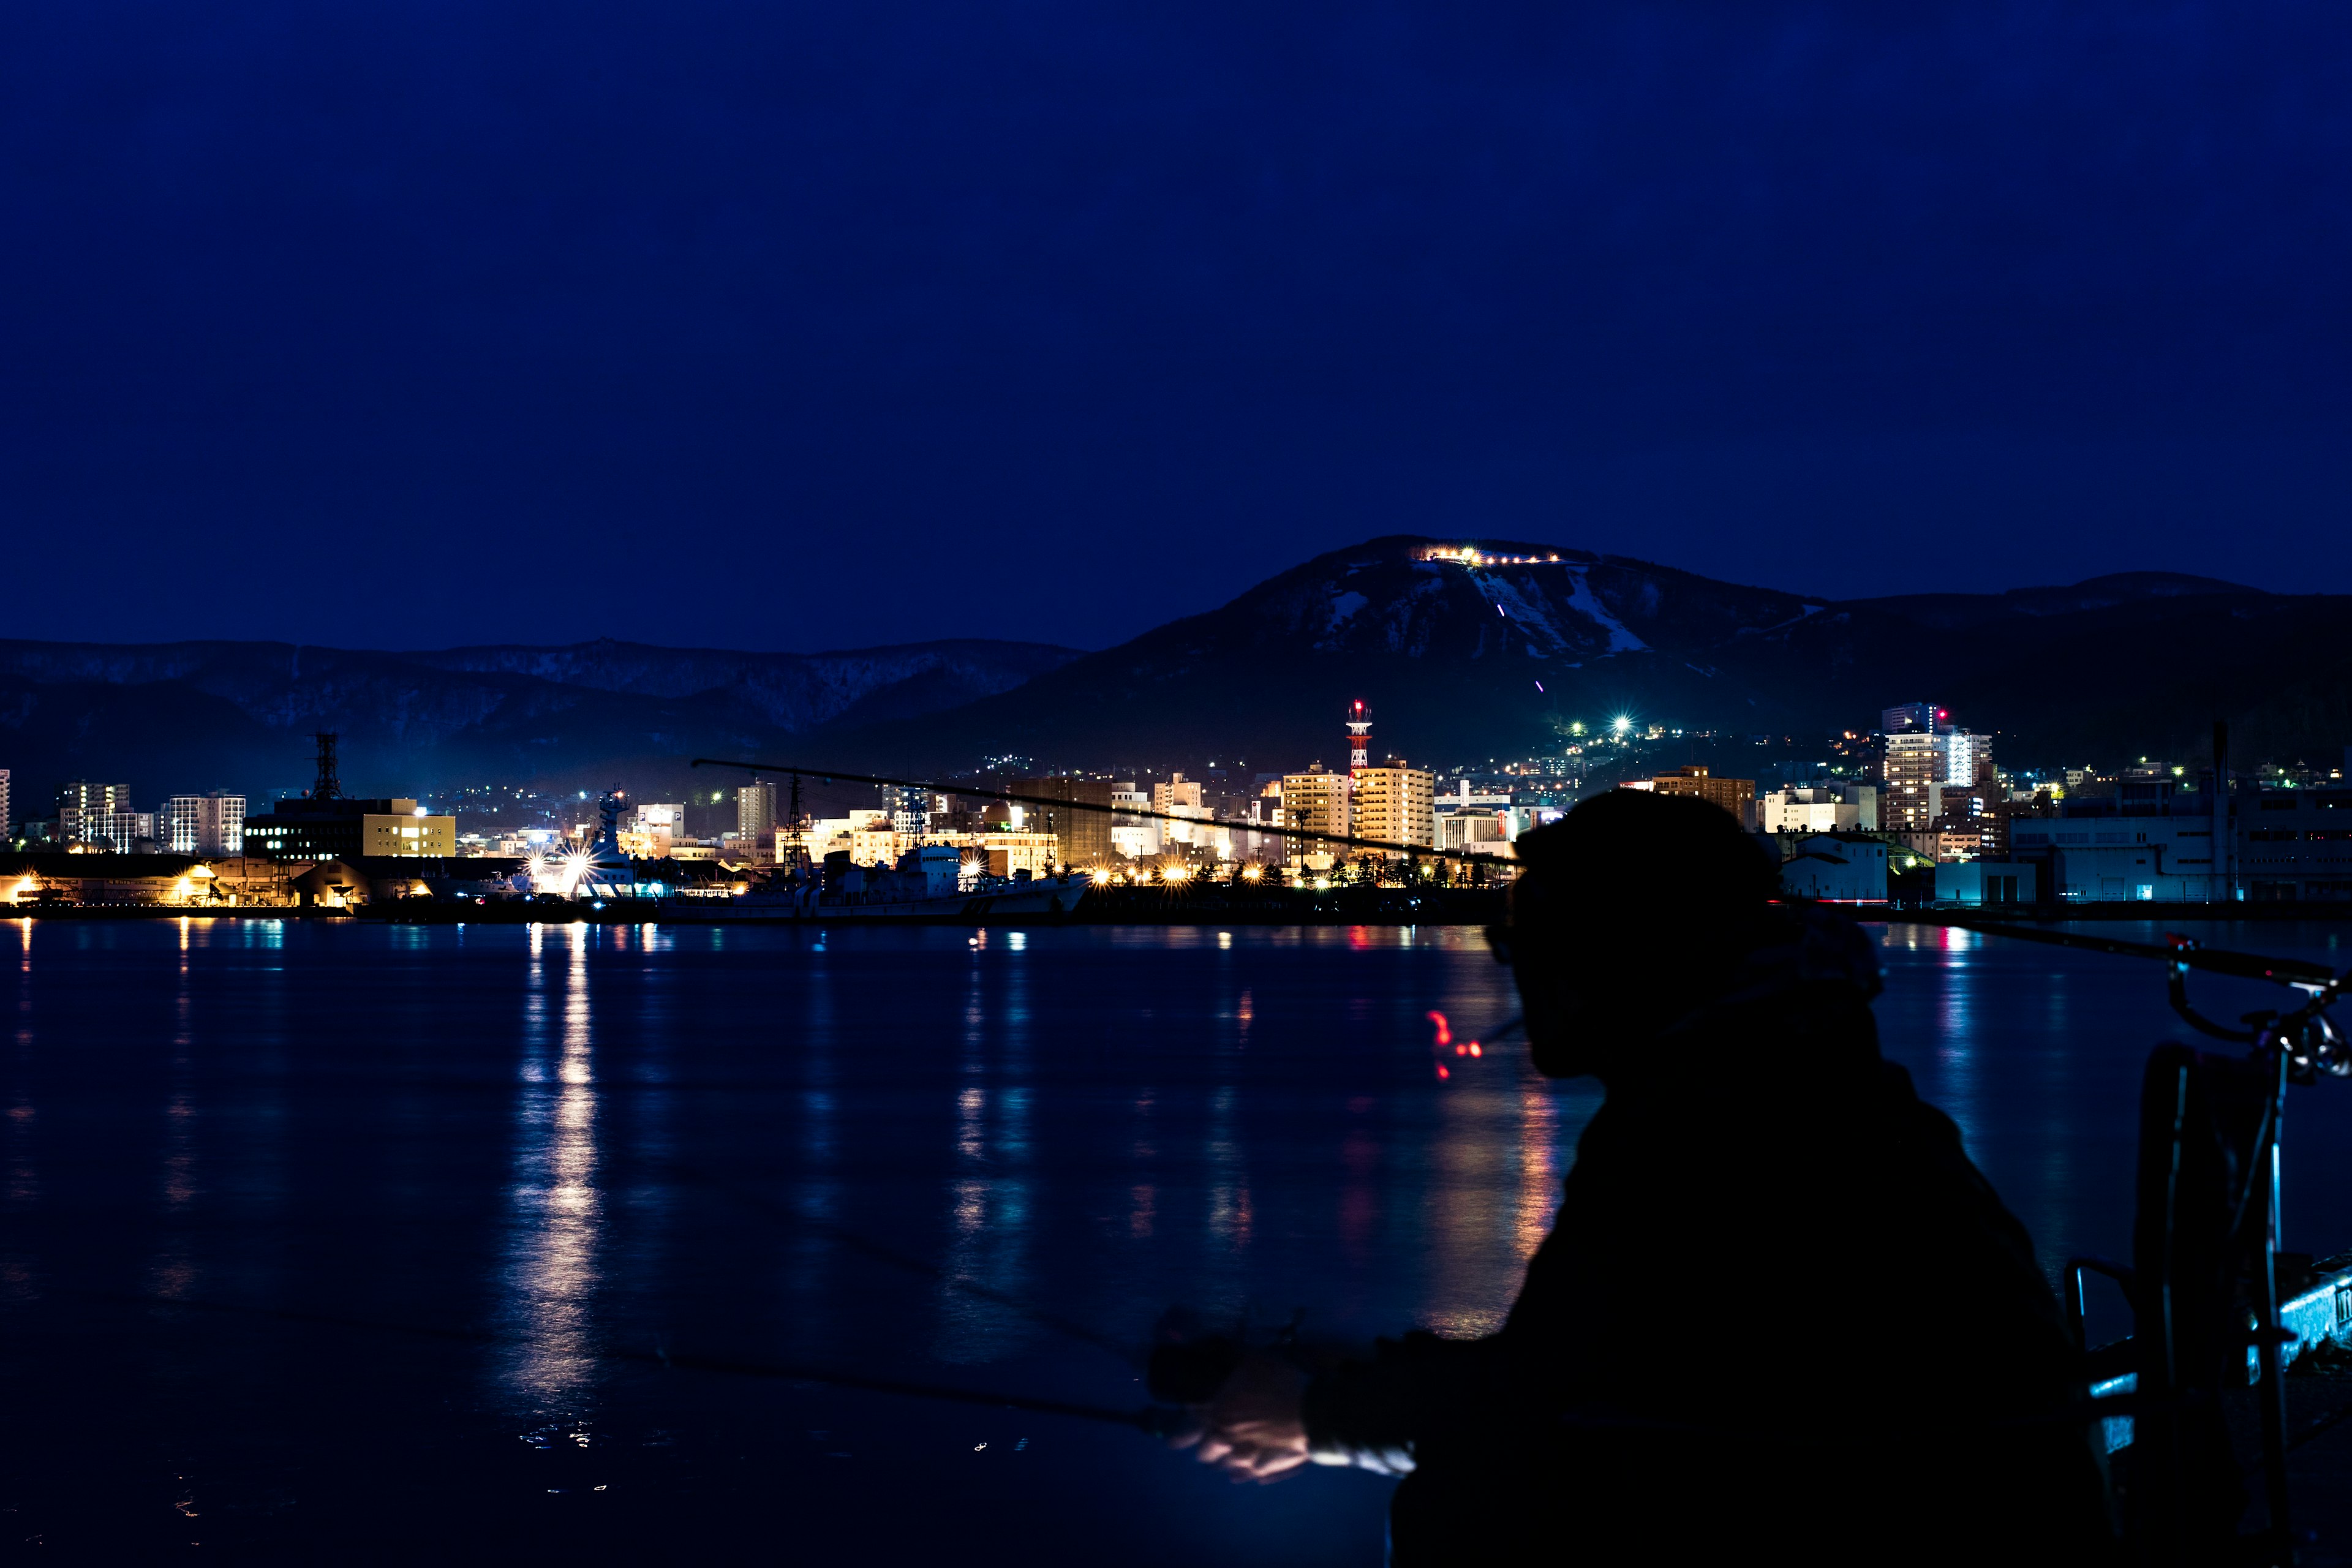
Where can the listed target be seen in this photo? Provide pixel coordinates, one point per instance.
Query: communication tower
(328, 786)
(1360, 738)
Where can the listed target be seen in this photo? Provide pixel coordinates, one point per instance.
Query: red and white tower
(1360, 739)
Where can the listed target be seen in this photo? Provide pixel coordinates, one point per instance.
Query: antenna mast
(328, 786)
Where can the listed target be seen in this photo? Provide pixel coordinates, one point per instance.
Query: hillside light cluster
(1468, 557)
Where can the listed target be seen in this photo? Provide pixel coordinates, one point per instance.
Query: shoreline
(1367, 906)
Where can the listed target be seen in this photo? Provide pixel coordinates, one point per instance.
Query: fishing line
(1140, 812)
(2213, 960)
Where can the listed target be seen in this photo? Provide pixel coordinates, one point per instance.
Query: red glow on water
(1475, 1050)
(1442, 1072)
(1461, 1050)
(1445, 1029)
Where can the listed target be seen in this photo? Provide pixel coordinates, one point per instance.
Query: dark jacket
(1778, 1311)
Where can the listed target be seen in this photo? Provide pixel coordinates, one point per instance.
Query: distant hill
(238, 715)
(1459, 662)
(1471, 660)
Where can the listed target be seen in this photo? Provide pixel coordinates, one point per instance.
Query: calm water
(320, 1240)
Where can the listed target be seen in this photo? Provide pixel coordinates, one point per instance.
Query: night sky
(785, 326)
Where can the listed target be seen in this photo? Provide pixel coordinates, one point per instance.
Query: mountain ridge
(232, 714)
(1463, 656)
(1496, 655)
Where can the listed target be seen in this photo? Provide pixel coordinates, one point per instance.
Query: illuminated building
(755, 807)
(1084, 837)
(1007, 852)
(1832, 808)
(654, 830)
(1181, 796)
(1135, 837)
(327, 825)
(88, 813)
(210, 824)
(337, 829)
(1317, 802)
(1914, 772)
(1396, 803)
(1924, 717)
(1737, 797)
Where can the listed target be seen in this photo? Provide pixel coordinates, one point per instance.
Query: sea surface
(343, 1242)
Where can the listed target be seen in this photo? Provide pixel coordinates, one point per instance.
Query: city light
(1621, 723)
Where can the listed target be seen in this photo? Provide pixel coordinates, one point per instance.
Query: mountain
(1460, 659)
(1495, 657)
(238, 715)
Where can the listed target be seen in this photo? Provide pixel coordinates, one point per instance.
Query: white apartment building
(211, 824)
(1181, 796)
(1833, 807)
(654, 830)
(1128, 836)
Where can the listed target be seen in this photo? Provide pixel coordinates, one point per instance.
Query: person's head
(1628, 913)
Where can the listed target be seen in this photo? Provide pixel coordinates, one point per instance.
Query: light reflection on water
(555, 1210)
(893, 1150)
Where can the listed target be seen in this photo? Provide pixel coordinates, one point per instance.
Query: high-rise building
(1083, 835)
(755, 807)
(1317, 802)
(1968, 760)
(1181, 796)
(1915, 768)
(1178, 793)
(85, 811)
(1921, 766)
(1925, 718)
(210, 824)
(1397, 803)
(911, 810)
(1737, 797)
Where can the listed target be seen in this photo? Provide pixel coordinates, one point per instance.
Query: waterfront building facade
(1398, 804)
(211, 824)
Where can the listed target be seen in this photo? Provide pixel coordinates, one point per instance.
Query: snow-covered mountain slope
(1469, 648)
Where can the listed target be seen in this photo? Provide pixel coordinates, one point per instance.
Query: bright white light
(1622, 724)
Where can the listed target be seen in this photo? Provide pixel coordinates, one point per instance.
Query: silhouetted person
(1780, 1315)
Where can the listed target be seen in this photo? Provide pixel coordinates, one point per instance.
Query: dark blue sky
(786, 326)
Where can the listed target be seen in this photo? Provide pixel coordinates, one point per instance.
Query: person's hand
(1253, 1429)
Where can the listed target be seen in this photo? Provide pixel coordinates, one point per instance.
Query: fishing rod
(2204, 1175)
(1169, 1420)
(877, 1251)
(829, 775)
(1157, 1420)
(2307, 1036)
